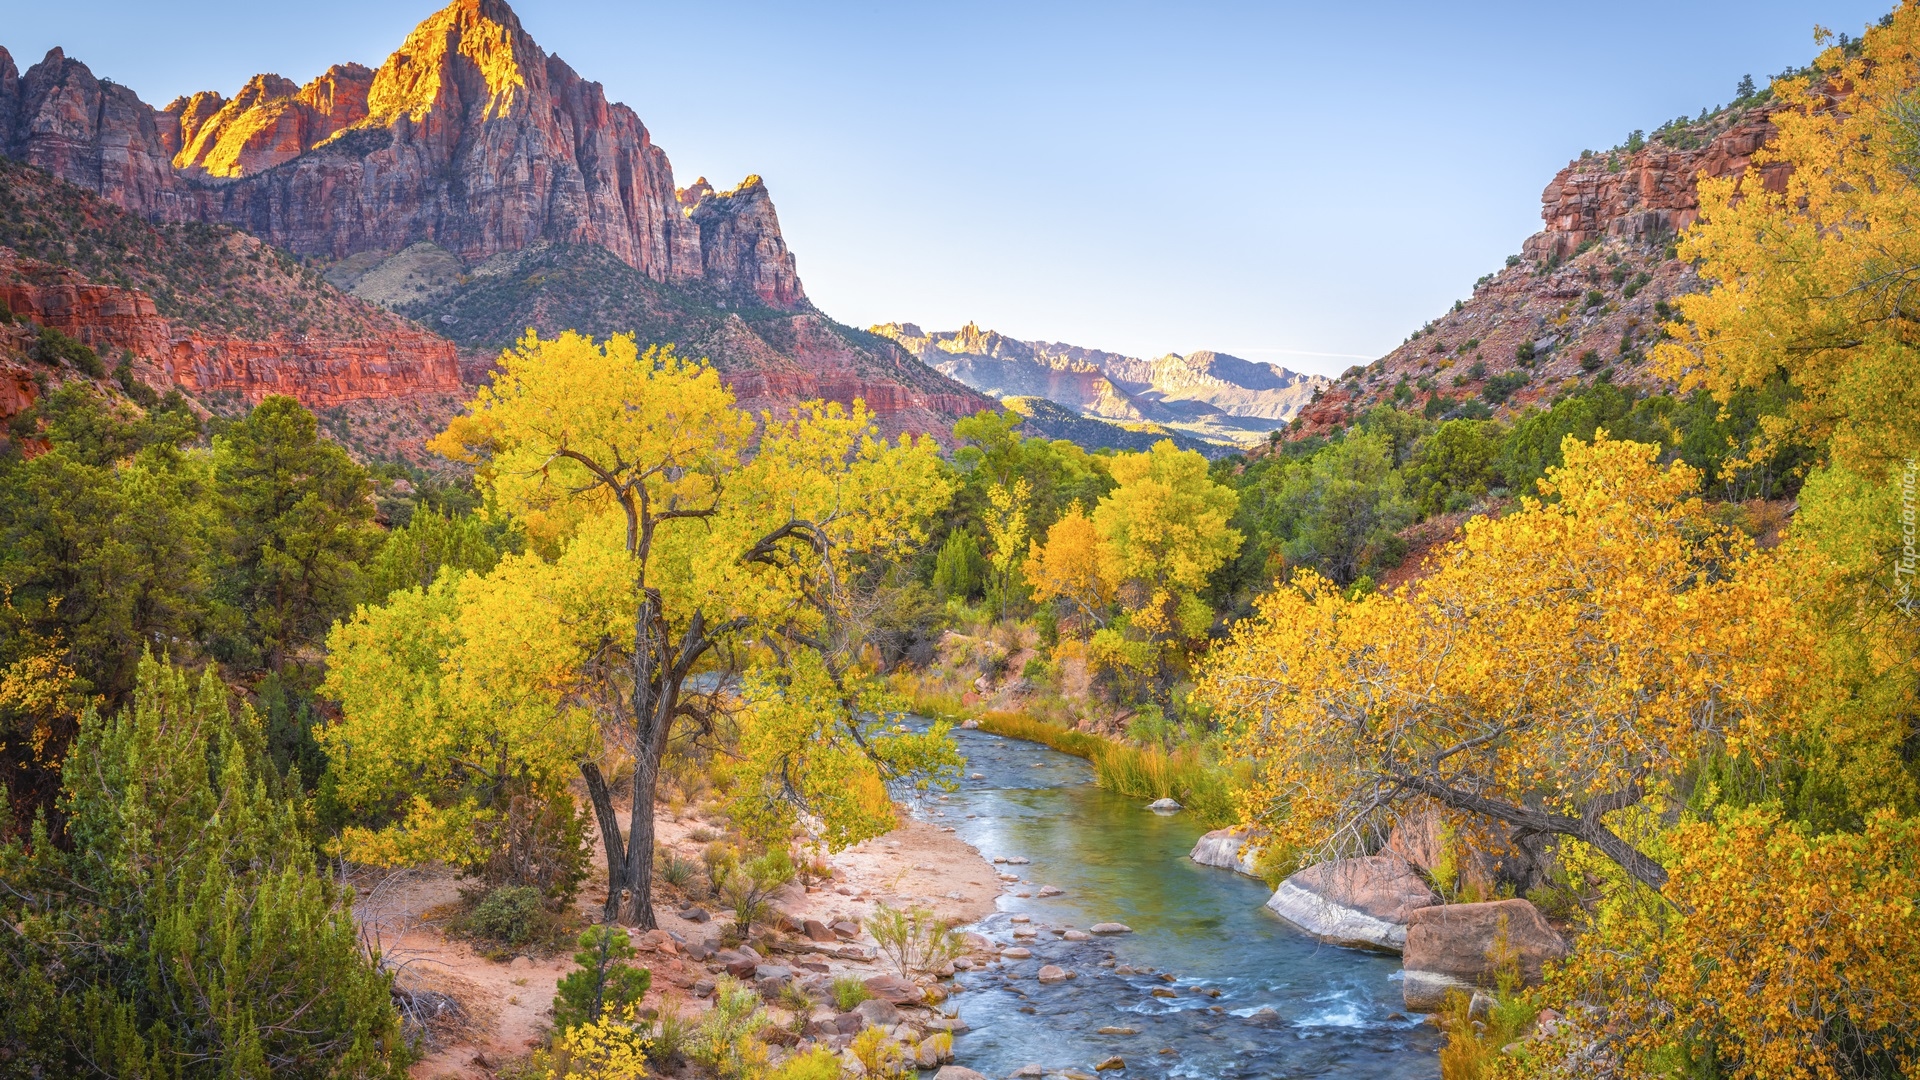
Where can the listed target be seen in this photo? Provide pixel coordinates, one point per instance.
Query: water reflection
(1209, 984)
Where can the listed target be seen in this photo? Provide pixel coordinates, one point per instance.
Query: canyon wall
(468, 136)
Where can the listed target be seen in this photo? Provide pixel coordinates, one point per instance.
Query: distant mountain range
(1207, 395)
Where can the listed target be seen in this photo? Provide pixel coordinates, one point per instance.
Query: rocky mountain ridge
(478, 185)
(1208, 395)
(1586, 296)
(468, 136)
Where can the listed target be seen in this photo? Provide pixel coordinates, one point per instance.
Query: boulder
(817, 931)
(1164, 806)
(1426, 991)
(1227, 849)
(1016, 953)
(1052, 973)
(1422, 838)
(1076, 935)
(894, 989)
(1359, 903)
(1110, 928)
(1462, 940)
(878, 1012)
(737, 963)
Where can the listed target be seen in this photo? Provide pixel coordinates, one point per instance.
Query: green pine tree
(187, 930)
(605, 982)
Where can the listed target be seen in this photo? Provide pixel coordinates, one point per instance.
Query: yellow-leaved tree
(1555, 669)
(671, 534)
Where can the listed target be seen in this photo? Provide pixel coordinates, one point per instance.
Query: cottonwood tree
(671, 531)
(1555, 667)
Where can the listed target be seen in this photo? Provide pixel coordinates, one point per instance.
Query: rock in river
(1362, 903)
(1227, 849)
(1111, 928)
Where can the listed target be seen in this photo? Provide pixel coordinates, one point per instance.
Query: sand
(505, 1007)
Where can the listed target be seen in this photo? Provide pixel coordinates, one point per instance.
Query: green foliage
(746, 886)
(960, 571)
(1500, 387)
(190, 932)
(605, 982)
(432, 542)
(915, 939)
(848, 991)
(295, 523)
(53, 347)
(727, 1041)
(511, 915)
(1460, 459)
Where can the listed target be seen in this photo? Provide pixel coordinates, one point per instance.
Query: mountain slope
(1587, 295)
(468, 149)
(1208, 395)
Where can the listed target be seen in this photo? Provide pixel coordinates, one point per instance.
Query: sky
(1301, 183)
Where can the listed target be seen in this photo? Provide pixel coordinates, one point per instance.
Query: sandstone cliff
(1587, 295)
(468, 136)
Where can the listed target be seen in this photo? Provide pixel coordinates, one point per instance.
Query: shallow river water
(1287, 1006)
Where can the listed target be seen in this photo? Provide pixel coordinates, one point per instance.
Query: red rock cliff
(319, 371)
(468, 135)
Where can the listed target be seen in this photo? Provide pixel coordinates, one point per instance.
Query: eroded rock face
(1459, 940)
(319, 371)
(469, 136)
(1361, 903)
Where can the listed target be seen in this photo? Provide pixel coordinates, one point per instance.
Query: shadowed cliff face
(468, 136)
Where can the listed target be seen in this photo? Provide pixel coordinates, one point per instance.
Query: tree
(1555, 668)
(632, 476)
(189, 932)
(959, 569)
(1163, 529)
(1814, 281)
(1007, 531)
(297, 523)
(1068, 567)
(1341, 511)
(605, 983)
(1458, 461)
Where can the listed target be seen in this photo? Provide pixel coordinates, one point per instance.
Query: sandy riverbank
(505, 1006)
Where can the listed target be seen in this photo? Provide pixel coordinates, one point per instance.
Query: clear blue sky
(1275, 180)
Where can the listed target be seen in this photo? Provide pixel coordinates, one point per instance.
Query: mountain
(467, 159)
(1586, 296)
(1209, 395)
(209, 311)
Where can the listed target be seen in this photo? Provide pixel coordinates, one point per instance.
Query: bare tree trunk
(609, 824)
(637, 901)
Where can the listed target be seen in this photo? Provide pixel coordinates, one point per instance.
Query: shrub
(54, 347)
(1595, 298)
(1590, 360)
(727, 1041)
(849, 991)
(1639, 282)
(1513, 261)
(1501, 387)
(914, 939)
(1524, 353)
(880, 1057)
(676, 871)
(747, 885)
(511, 915)
(818, 1063)
(604, 984)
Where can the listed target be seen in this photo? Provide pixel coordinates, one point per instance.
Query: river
(1285, 1005)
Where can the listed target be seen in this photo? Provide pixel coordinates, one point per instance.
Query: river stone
(970, 725)
(1426, 991)
(1114, 1062)
(1118, 1031)
(876, 1011)
(1076, 935)
(1227, 849)
(1111, 928)
(895, 989)
(957, 1072)
(1051, 890)
(1017, 860)
(1053, 974)
(1016, 953)
(1029, 1070)
(1360, 903)
(1021, 918)
(1460, 940)
(1164, 806)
